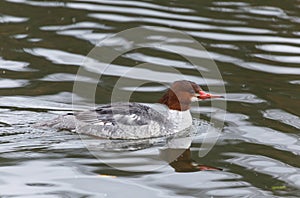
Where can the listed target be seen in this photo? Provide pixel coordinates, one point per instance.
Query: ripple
(20, 36)
(223, 9)
(267, 136)
(196, 182)
(283, 117)
(262, 163)
(32, 172)
(295, 82)
(163, 61)
(234, 119)
(280, 70)
(61, 57)
(145, 88)
(34, 103)
(145, 5)
(267, 166)
(230, 192)
(9, 83)
(41, 184)
(57, 56)
(280, 170)
(295, 178)
(88, 35)
(65, 77)
(225, 46)
(179, 24)
(279, 48)
(248, 30)
(80, 25)
(39, 3)
(146, 74)
(146, 12)
(230, 3)
(276, 58)
(265, 10)
(112, 17)
(204, 183)
(255, 65)
(244, 97)
(249, 37)
(254, 17)
(12, 19)
(105, 186)
(14, 65)
(129, 10)
(34, 40)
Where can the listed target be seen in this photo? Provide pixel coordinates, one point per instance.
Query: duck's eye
(191, 91)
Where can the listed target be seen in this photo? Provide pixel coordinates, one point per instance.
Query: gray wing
(122, 113)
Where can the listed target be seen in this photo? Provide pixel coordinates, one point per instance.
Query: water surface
(256, 46)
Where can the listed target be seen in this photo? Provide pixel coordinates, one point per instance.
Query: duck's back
(124, 121)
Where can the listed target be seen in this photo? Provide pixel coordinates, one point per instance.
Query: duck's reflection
(147, 154)
(183, 161)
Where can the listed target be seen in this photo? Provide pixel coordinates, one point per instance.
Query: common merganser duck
(137, 121)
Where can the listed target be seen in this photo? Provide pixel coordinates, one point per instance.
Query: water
(256, 46)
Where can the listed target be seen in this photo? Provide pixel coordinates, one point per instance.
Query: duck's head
(182, 93)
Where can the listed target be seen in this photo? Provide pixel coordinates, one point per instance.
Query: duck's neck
(172, 102)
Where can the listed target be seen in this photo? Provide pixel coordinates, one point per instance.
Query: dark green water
(256, 45)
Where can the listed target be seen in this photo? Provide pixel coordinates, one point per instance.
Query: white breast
(181, 119)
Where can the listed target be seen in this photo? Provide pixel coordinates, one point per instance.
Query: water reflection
(185, 163)
(150, 154)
